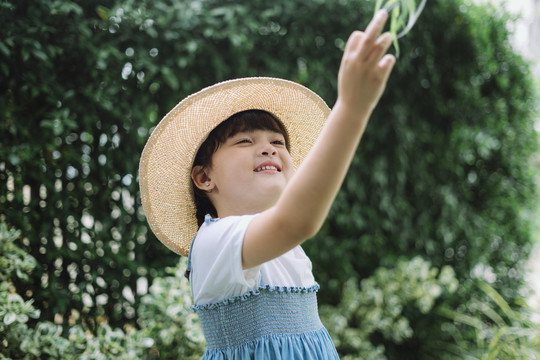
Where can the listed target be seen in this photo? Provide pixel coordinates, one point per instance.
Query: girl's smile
(268, 167)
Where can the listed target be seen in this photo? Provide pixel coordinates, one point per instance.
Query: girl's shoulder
(237, 224)
(218, 233)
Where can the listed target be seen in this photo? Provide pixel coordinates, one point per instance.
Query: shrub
(489, 328)
(24, 338)
(164, 316)
(382, 306)
(169, 329)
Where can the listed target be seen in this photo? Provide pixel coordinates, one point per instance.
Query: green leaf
(493, 347)
(103, 12)
(10, 318)
(495, 296)
(40, 55)
(403, 16)
(22, 318)
(4, 49)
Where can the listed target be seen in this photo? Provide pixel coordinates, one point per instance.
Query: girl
(221, 166)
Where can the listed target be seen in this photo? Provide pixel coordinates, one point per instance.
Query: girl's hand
(365, 68)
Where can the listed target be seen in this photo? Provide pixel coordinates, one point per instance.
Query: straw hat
(167, 159)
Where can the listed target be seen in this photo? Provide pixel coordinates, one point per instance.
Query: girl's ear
(200, 178)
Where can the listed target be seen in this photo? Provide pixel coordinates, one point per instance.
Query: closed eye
(243, 141)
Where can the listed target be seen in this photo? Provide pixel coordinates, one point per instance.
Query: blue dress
(270, 323)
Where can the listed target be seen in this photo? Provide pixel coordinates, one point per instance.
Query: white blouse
(216, 261)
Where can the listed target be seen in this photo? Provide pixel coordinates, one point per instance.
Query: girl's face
(249, 171)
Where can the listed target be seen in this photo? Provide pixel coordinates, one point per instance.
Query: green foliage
(434, 175)
(382, 306)
(13, 260)
(403, 16)
(15, 312)
(23, 338)
(164, 315)
(46, 341)
(67, 182)
(492, 329)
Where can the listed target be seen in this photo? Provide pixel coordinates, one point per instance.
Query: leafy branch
(403, 16)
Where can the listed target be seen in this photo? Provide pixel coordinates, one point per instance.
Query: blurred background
(525, 39)
(428, 251)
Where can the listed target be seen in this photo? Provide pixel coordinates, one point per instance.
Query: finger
(381, 46)
(372, 32)
(386, 64)
(354, 41)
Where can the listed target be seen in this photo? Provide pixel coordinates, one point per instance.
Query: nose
(268, 149)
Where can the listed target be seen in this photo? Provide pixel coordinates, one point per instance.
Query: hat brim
(167, 159)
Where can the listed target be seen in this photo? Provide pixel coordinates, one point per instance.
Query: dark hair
(248, 120)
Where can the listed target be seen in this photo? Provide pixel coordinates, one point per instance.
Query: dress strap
(188, 269)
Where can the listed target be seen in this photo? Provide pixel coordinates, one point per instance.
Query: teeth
(266, 168)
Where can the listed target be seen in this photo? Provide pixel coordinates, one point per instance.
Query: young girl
(219, 182)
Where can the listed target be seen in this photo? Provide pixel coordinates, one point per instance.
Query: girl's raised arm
(305, 202)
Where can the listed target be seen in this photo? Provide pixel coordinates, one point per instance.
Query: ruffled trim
(251, 293)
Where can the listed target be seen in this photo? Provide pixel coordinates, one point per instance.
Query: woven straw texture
(166, 161)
